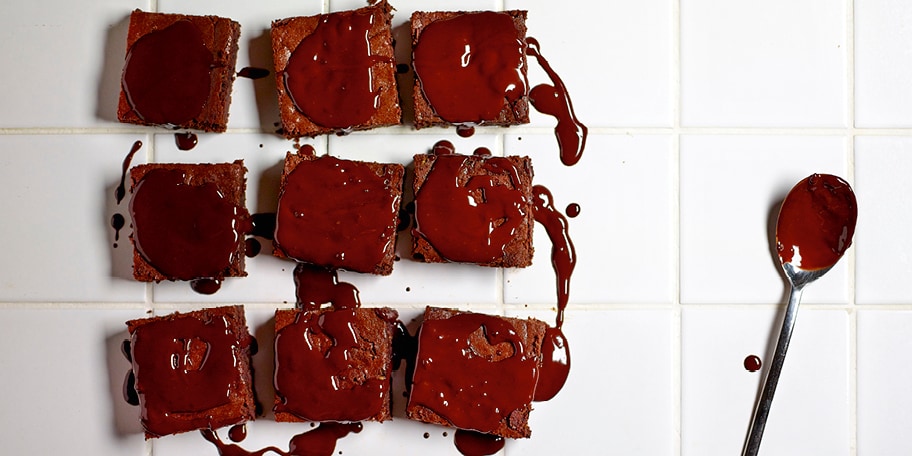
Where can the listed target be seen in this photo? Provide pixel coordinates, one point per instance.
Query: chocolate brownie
(476, 371)
(473, 209)
(188, 221)
(192, 370)
(470, 68)
(333, 364)
(178, 71)
(336, 72)
(339, 213)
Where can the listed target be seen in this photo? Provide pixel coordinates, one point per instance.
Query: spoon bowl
(815, 227)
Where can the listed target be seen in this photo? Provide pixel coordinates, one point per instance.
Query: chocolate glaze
(185, 231)
(326, 229)
(443, 147)
(166, 77)
(816, 222)
(253, 73)
(752, 363)
(121, 191)
(188, 366)
(309, 372)
(572, 210)
(471, 443)
(186, 140)
(335, 61)
(485, 400)
(320, 441)
(453, 60)
(555, 350)
(489, 213)
(554, 100)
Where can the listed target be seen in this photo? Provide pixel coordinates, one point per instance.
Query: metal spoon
(815, 227)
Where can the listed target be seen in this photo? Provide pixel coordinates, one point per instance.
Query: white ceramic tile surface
(885, 259)
(777, 63)
(883, 63)
(701, 115)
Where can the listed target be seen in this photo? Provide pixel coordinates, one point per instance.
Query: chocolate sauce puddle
(320, 441)
(554, 100)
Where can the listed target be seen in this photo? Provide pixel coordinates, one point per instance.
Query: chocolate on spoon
(815, 227)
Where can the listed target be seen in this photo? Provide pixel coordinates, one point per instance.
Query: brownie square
(473, 209)
(470, 68)
(333, 364)
(179, 70)
(336, 72)
(192, 370)
(339, 213)
(188, 221)
(476, 371)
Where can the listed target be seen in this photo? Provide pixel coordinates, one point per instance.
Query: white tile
(883, 64)
(58, 203)
(628, 47)
(63, 379)
(776, 63)
(884, 250)
(624, 233)
(884, 397)
(731, 190)
(616, 400)
(62, 72)
(810, 410)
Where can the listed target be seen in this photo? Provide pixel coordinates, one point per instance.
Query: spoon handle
(752, 446)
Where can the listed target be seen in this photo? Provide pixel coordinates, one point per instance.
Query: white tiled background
(702, 115)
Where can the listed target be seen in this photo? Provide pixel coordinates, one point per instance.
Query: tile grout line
(850, 167)
(677, 330)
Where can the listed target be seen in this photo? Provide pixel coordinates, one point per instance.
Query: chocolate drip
(572, 210)
(252, 247)
(264, 225)
(167, 74)
(320, 441)
(315, 285)
(554, 100)
(336, 61)
(469, 65)
(752, 363)
(253, 73)
(405, 348)
(238, 432)
(117, 222)
(471, 443)
(555, 349)
(186, 140)
(465, 131)
(121, 191)
(129, 389)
